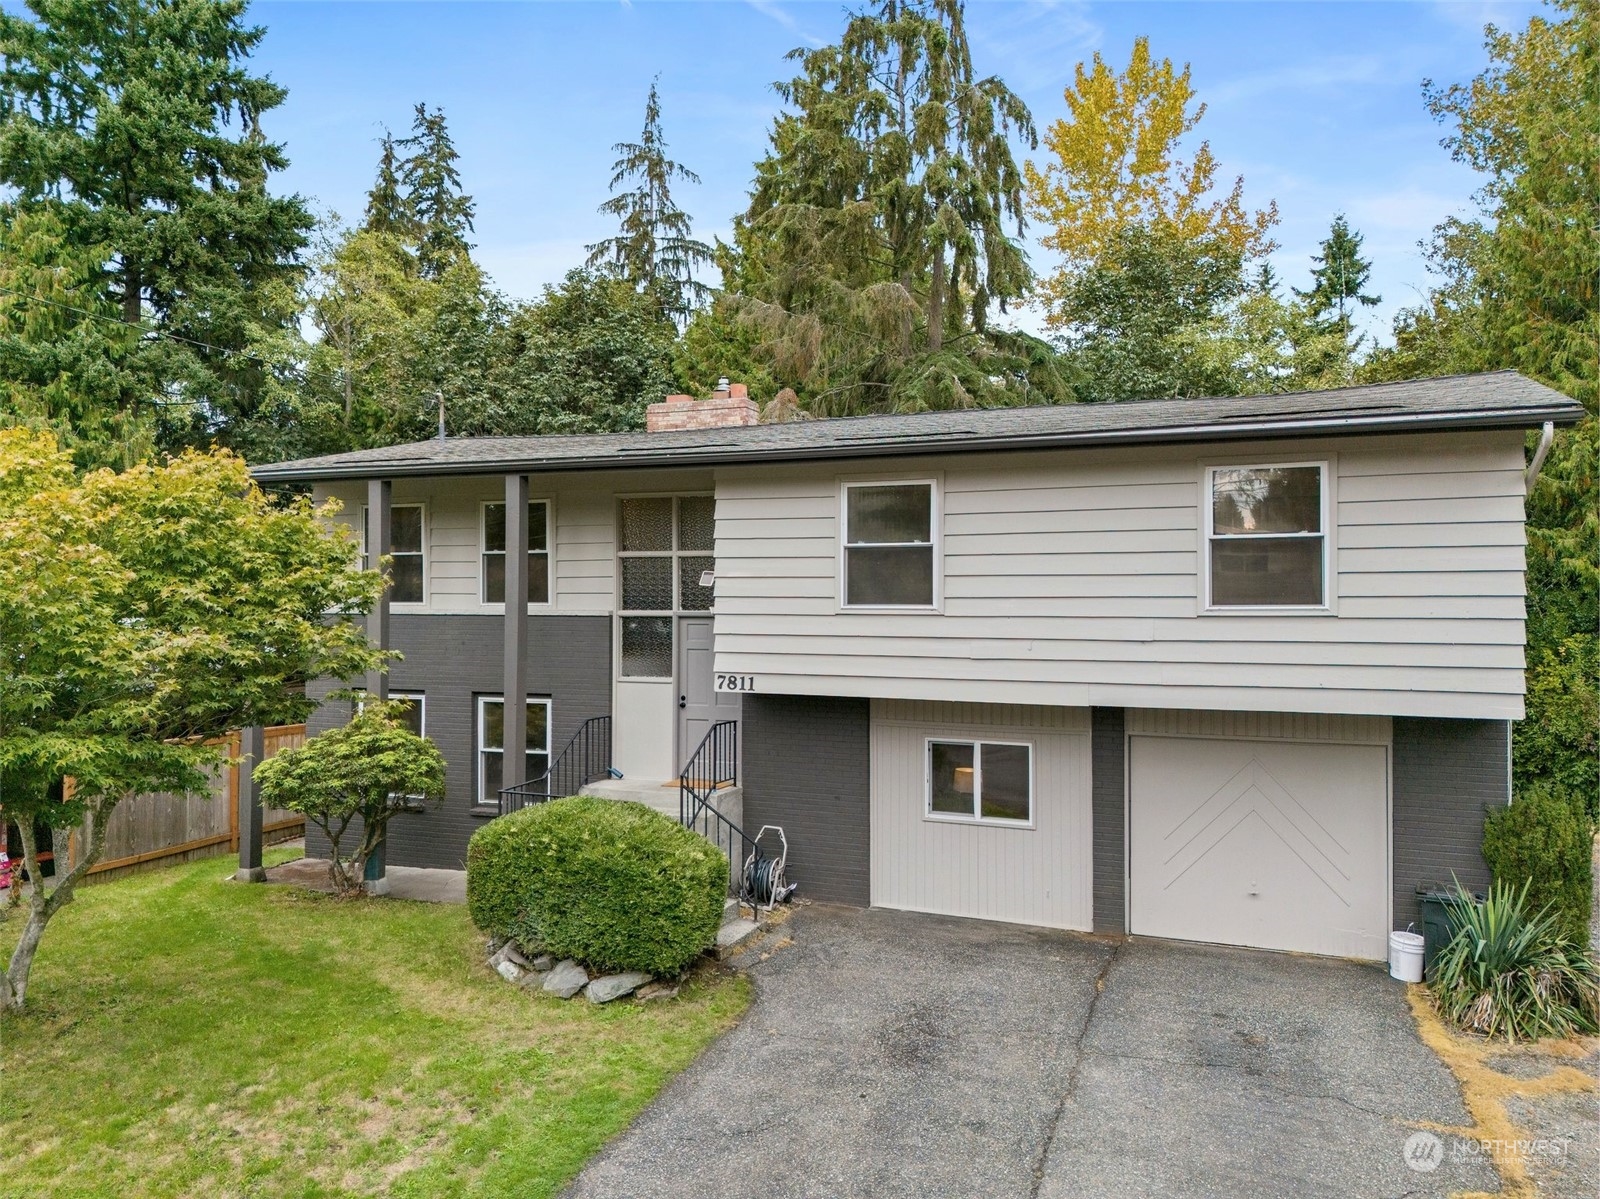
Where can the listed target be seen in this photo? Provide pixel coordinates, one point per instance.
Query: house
(1231, 670)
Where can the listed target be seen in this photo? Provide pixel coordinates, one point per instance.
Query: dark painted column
(516, 675)
(1108, 790)
(376, 875)
(252, 746)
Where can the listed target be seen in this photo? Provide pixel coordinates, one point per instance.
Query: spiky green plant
(1508, 973)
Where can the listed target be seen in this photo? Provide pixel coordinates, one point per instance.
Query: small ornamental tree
(366, 770)
(142, 614)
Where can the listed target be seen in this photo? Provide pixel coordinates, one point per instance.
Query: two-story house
(1234, 670)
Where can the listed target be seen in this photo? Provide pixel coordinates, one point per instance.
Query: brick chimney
(730, 404)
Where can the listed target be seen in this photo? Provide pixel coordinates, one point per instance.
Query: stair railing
(585, 758)
(712, 766)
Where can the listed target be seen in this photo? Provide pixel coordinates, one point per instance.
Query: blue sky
(1317, 105)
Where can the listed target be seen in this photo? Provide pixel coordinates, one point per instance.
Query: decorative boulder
(615, 986)
(566, 979)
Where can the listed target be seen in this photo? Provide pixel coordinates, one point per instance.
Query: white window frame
(366, 558)
(675, 555)
(479, 749)
(935, 532)
(977, 782)
(549, 554)
(419, 699)
(1209, 537)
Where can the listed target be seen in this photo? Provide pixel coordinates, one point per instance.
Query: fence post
(247, 810)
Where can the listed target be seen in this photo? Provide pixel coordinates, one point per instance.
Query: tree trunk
(132, 294)
(936, 303)
(42, 905)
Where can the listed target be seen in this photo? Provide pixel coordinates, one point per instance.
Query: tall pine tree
(441, 212)
(1338, 277)
(387, 209)
(139, 125)
(883, 223)
(654, 247)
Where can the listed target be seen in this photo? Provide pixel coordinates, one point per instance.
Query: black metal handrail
(586, 757)
(713, 766)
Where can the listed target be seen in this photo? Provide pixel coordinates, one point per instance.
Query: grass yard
(191, 1036)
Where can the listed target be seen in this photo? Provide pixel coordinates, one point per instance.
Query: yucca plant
(1507, 973)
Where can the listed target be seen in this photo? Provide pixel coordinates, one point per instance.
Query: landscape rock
(543, 962)
(656, 991)
(566, 979)
(615, 986)
(509, 971)
(533, 980)
(511, 953)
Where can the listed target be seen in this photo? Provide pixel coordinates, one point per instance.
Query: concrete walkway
(895, 1054)
(405, 882)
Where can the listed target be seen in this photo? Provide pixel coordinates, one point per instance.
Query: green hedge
(611, 884)
(1545, 839)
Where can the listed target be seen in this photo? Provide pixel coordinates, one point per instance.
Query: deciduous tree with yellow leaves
(1117, 168)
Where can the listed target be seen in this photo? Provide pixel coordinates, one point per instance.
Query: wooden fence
(155, 828)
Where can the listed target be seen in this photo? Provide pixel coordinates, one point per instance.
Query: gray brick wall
(1446, 774)
(1109, 764)
(451, 660)
(807, 765)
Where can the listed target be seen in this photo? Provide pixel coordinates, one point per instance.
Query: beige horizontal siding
(1072, 577)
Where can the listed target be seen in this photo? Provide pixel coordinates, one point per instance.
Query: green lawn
(191, 1036)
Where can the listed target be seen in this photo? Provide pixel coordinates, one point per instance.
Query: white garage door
(1027, 859)
(1273, 844)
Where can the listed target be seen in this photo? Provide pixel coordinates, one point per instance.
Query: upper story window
(889, 545)
(1266, 536)
(408, 558)
(665, 561)
(493, 557)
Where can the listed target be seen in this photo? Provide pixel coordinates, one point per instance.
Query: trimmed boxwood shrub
(608, 883)
(1544, 841)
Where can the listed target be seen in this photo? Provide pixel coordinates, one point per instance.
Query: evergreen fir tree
(441, 212)
(1338, 277)
(654, 248)
(138, 124)
(883, 221)
(387, 210)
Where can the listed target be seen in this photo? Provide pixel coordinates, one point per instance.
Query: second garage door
(1271, 844)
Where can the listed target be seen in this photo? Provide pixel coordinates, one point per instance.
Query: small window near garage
(1266, 536)
(980, 781)
(493, 773)
(494, 553)
(888, 545)
(407, 568)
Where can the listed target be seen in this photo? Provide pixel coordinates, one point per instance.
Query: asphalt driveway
(890, 1053)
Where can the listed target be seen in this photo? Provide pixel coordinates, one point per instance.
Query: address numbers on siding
(736, 682)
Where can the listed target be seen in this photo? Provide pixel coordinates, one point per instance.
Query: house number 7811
(736, 682)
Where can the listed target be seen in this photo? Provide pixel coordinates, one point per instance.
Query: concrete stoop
(663, 797)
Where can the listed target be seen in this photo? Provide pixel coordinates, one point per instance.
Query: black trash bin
(1438, 924)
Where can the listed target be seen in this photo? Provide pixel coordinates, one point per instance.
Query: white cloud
(1317, 75)
(1033, 45)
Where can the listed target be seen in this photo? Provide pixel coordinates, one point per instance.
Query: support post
(379, 541)
(252, 749)
(516, 636)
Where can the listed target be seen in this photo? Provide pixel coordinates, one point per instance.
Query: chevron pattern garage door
(1272, 844)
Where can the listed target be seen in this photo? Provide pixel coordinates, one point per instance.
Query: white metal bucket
(1405, 957)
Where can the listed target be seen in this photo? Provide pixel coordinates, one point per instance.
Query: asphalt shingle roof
(1503, 399)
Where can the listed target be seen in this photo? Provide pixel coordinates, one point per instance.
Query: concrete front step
(733, 934)
(663, 797)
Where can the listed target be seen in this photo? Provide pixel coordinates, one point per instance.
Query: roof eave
(1523, 416)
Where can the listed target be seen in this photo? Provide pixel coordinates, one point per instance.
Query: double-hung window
(493, 557)
(1267, 536)
(888, 552)
(407, 561)
(493, 773)
(981, 781)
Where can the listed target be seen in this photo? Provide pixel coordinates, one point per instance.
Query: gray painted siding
(1447, 773)
(1071, 578)
(1110, 812)
(807, 767)
(451, 659)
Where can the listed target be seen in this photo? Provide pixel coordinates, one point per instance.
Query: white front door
(700, 705)
(1271, 844)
